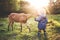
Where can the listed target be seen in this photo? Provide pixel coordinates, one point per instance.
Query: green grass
(53, 31)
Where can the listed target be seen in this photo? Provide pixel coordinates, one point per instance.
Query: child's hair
(43, 18)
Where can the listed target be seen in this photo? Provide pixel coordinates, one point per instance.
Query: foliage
(56, 7)
(53, 31)
(15, 5)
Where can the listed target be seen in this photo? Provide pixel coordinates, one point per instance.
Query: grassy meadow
(53, 30)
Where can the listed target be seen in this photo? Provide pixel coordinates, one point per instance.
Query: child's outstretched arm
(37, 19)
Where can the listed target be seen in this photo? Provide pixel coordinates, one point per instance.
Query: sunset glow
(39, 6)
(38, 3)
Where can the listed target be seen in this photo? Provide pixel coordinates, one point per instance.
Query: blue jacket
(41, 23)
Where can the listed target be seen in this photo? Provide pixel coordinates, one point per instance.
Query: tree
(57, 7)
(54, 7)
(26, 7)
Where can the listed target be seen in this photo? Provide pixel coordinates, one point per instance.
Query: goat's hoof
(29, 31)
(8, 29)
(12, 30)
(20, 31)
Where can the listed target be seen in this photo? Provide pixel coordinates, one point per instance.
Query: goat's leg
(12, 25)
(9, 25)
(21, 28)
(29, 28)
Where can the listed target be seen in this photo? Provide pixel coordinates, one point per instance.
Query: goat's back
(18, 17)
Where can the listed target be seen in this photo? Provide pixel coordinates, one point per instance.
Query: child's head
(43, 18)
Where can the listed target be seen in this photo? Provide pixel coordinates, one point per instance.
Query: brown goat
(21, 18)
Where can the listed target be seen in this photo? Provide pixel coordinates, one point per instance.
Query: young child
(42, 21)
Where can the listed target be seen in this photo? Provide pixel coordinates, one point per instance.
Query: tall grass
(53, 31)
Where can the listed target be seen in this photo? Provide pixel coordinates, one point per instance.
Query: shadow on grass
(43, 36)
(57, 37)
(26, 37)
(56, 33)
(4, 35)
(56, 29)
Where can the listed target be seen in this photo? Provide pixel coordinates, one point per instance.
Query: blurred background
(8, 6)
